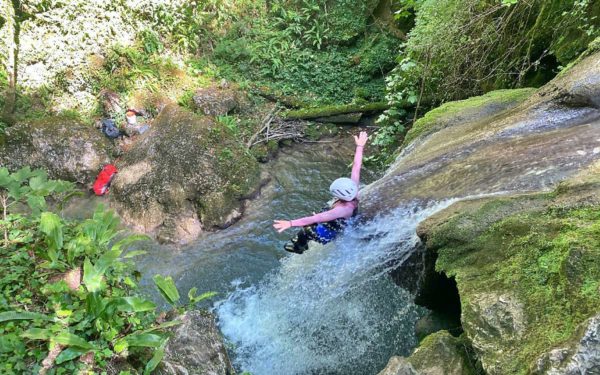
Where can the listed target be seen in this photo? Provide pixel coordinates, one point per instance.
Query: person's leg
(299, 243)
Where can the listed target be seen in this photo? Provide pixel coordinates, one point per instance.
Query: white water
(333, 309)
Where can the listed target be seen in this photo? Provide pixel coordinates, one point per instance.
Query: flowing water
(332, 310)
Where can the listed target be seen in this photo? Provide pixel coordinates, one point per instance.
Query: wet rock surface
(548, 137)
(197, 348)
(184, 175)
(63, 147)
(525, 274)
(521, 247)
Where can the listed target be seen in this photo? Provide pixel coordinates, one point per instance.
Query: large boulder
(186, 174)
(438, 354)
(527, 275)
(215, 101)
(65, 148)
(505, 141)
(197, 348)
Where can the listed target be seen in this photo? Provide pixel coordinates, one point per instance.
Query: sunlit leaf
(37, 334)
(22, 315)
(92, 279)
(156, 358)
(68, 339)
(167, 288)
(51, 225)
(133, 304)
(148, 340)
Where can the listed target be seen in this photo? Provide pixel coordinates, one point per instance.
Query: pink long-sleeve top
(341, 209)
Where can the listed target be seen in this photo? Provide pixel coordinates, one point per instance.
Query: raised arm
(361, 141)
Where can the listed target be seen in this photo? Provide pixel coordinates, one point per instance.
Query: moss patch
(547, 259)
(453, 112)
(442, 351)
(332, 110)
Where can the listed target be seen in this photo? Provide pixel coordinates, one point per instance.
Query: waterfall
(333, 309)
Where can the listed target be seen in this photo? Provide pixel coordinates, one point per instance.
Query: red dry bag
(104, 179)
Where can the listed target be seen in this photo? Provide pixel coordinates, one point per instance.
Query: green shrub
(68, 288)
(474, 46)
(319, 51)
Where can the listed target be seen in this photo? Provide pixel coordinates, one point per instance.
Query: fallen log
(322, 113)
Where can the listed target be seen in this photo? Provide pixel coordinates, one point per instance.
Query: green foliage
(193, 25)
(459, 49)
(150, 41)
(230, 122)
(468, 47)
(402, 91)
(167, 288)
(104, 315)
(320, 52)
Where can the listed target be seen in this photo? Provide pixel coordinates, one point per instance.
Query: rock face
(524, 262)
(438, 354)
(185, 174)
(63, 40)
(528, 284)
(532, 146)
(581, 357)
(63, 147)
(196, 348)
(214, 101)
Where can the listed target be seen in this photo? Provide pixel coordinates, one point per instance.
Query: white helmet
(344, 189)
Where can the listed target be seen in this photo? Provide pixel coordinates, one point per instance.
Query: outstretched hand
(282, 225)
(361, 139)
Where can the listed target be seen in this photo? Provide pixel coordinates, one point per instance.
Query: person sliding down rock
(325, 226)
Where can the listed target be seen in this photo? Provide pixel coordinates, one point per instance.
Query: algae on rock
(438, 354)
(466, 110)
(527, 274)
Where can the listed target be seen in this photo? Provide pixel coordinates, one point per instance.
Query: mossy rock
(526, 269)
(185, 174)
(467, 110)
(438, 354)
(63, 146)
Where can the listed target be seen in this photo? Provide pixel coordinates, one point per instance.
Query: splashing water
(332, 310)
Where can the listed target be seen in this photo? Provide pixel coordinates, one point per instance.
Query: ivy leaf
(36, 203)
(5, 179)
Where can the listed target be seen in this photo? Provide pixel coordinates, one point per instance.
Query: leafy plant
(167, 288)
(230, 122)
(71, 290)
